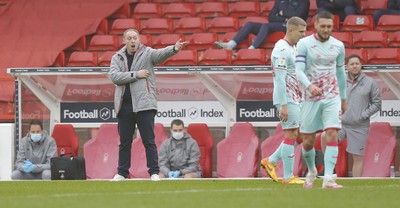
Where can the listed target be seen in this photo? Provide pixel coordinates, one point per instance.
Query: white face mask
(177, 135)
(36, 137)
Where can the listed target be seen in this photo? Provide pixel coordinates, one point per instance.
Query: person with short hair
(135, 100)
(180, 154)
(320, 69)
(286, 98)
(34, 154)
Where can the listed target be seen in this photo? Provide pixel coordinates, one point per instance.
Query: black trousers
(127, 121)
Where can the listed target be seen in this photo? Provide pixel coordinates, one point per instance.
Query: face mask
(36, 137)
(177, 135)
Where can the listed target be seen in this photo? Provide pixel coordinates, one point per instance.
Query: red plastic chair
(104, 43)
(164, 40)
(357, 23)
(388, 23)
(212, 9)
(244, 9)
(189, 25)
(102, 29)
(266, 7)
(123, 12)
(79, 45)
(371, 6)
(66, 139)
(380, 150)
(202, 135)
(101, 153)
(384, 56)
(362, 53)
(138, 156)
(183, 58)
(238, 154)
(147, 10)
(156, 26)
(178, 10)
(60, 60)
(201, 41)
(222, 25)
(216, 57)
(83, 58)
(394, 39)
(345, 37)
(259, 19)
(226, 37)
(250, 57)
(370, 39)
(119, 26)
(105, 58)
(270, 40)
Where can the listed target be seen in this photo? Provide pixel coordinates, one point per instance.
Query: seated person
(180, 154)
(393, 7)
(280, 13)
(337, 7)
(34, 153)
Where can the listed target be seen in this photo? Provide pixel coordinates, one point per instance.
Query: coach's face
(354, 66)
(132, 41)
(324, 28)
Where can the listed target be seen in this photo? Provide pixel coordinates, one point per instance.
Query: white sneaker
(118, 177)
(222, 45)
(329, 182)
(155, 177)
(310, 178)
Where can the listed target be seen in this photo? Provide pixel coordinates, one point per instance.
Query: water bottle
(392, 172)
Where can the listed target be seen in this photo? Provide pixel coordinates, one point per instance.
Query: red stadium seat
(7, 108)
(259, 19)
(164, 40)
(79, 45)
(119, 26)
(147, 10)
(104, 43)
(138, 156)
(189, 25)
(66, 139)
(313, 7)
(202, 135)
(357, 23)
(250, 57)
(201, 41)
(156, 26)
(104, 59)
(384, 56)
(123, 12)
(178, 10)
(362, 53)
(212, 9)
(394, 39)
(183, 58)
(238, 154)
(268, 56)
(216, 57)
(266, 7)
(83, 58)
(146, 40)
(222, 25)
(380, 150)
(244, 9)
(102, 29)
(345, 37)
(270, 40)
(60, 60)
(371, 39)
(388, 23)
(370, 6)
(101, 153)
(230, 35)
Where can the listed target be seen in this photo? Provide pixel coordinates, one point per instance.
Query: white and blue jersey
(321, 64)
(286, 86)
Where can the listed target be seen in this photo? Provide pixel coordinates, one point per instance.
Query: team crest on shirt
(282, 62)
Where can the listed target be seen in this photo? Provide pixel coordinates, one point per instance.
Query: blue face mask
(36, 137)
(177, 135)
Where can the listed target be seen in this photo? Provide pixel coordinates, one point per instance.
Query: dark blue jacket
(394, 4)
(290, 9)
(336, 5)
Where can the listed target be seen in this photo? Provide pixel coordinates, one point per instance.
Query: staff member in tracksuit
(34, 153)
(135, 102)
(363, 101)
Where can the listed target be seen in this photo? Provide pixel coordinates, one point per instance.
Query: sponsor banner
(390, 112)
(255, 91)
(191, 112)
(255, 111)
(87, 112)
(88, 92)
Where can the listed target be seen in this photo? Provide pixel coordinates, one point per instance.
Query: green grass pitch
(376, 193)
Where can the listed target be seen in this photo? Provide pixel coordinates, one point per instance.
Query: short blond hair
(295, 21)
(130, 29)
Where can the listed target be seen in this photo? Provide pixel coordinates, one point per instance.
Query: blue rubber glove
(170, 174)
(27, 162)
(28, 167)
(176, 174)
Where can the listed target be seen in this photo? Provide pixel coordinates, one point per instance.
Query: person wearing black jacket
(337, 7)
(280, 13)
(393, 7)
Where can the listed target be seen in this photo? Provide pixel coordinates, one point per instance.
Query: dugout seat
(250, 57)
(370, 39)
(222, 25)
(216, 57)
(104, 59)
(165, 40)
(66, 139)
(380, 150)
(388, 23)
(212, 9)
(101, 153)
(183, 58)
(189, 25)
(104, 43)
(147, 10)
(201, 41)
(384, 56)
(138, 155)
(238, 154)
(119, 26)
(178, 10)
(83, 58)
(268, 147)
(202, 135)
(156, 26)
(357, 23)
(244, 8)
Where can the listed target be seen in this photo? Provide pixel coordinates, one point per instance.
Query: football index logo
(193, 112)
(105, 114)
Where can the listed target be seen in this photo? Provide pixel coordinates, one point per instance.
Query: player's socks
(276, 156)
(287, 154)
(309, 158)
(330, 157)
